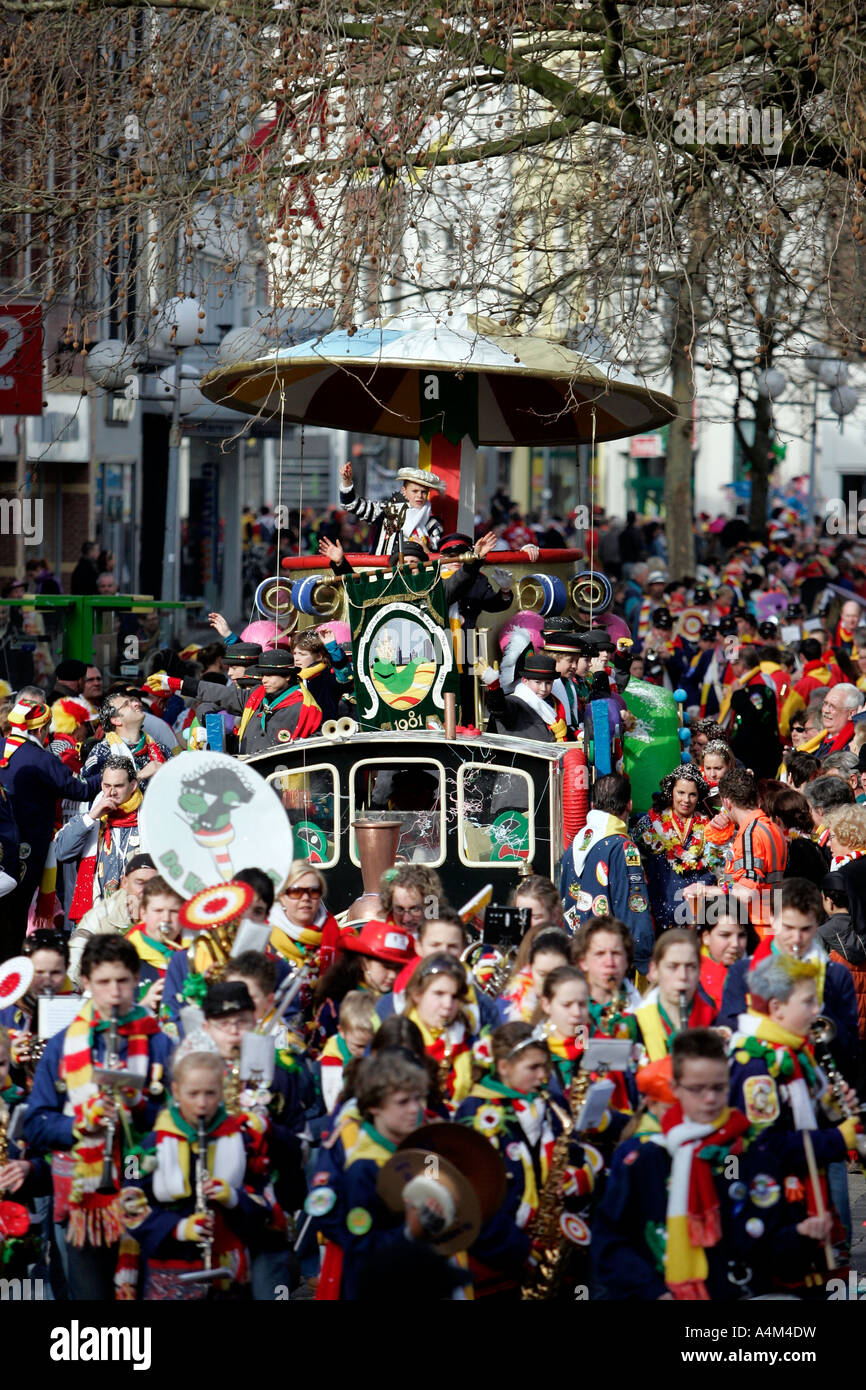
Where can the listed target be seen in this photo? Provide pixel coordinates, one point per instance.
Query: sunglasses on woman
(298, 893)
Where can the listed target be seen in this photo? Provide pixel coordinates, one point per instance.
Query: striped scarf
(309, 716)
(449, 1045)
(96, 1218)
(147, 750)
(694, 1222)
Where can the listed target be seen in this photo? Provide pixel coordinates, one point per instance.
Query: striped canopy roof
(530, 390)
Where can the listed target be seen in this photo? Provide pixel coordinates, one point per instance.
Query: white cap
(422, 477)
(656, 577)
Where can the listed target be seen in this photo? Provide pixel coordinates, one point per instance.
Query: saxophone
(232, 1087)
(545, 1275)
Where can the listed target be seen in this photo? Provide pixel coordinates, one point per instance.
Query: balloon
(267, 633)
(532, 622)
(341, 631)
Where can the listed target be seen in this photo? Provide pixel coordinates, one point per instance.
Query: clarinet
(205, 1245)
(684, 1010)
(112, 1061)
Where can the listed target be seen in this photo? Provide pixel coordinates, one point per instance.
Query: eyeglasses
(298, 893)
(398, 912)
(236, 1023)
(704, 1090)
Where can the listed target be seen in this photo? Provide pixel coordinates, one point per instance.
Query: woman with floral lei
(672, 841)
(176, 1235)
(509, 1107)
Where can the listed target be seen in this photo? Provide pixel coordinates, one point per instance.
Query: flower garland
(682, 843)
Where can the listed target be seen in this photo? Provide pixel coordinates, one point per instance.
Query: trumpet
(822, 1031)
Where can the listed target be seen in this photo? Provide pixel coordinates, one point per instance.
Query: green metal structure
(80, 609)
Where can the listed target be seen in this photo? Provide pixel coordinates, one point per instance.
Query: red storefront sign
(20, 359)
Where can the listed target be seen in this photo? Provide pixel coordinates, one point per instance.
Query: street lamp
(181, 323)
(830, 374)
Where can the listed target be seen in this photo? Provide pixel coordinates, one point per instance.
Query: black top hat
(708, 633)
(276, 663)
(243, 654)
(661, 617)
(728, 625)
(769, 629)
(701, 596)
(554, 626)
(565, 643)
(227, 997)
(538, 667)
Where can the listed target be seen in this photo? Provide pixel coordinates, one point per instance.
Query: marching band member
(180, 1216)
(72, 1118)
(550, 948)
(677, 1000)
(508, 1106)
(390, 1090)
(351, 1040)
(603, 949)
(156, 938)
(304, 931)
(692, 1212)
(723, 943)
(435, 996)
(370, 959)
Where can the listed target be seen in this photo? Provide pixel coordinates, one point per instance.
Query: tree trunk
(762, 464)
(678, 472)
(689, 311)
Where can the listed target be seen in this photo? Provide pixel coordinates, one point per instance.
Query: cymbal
(407, 1164)
(472, 1155)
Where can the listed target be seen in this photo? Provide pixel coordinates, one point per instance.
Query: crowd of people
(662, 1071)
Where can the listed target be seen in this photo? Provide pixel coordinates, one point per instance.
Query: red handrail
(495, 557)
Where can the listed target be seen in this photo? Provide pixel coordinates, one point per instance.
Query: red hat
(380, 941)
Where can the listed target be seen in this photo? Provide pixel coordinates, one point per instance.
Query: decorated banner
(207, 817)
(401, 641)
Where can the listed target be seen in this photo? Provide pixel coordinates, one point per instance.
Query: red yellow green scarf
(96, 1218)
(694, 1223)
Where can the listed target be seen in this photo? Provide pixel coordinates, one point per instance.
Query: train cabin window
(312, 804)
(496, 815)
(410, 790)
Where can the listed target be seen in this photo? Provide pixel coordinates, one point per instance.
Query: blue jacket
(45, 1125)
(34, 780)
(602, 876)
(759, 1228)
(839, 1004)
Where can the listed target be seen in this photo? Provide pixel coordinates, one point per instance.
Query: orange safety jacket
(757, 861)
